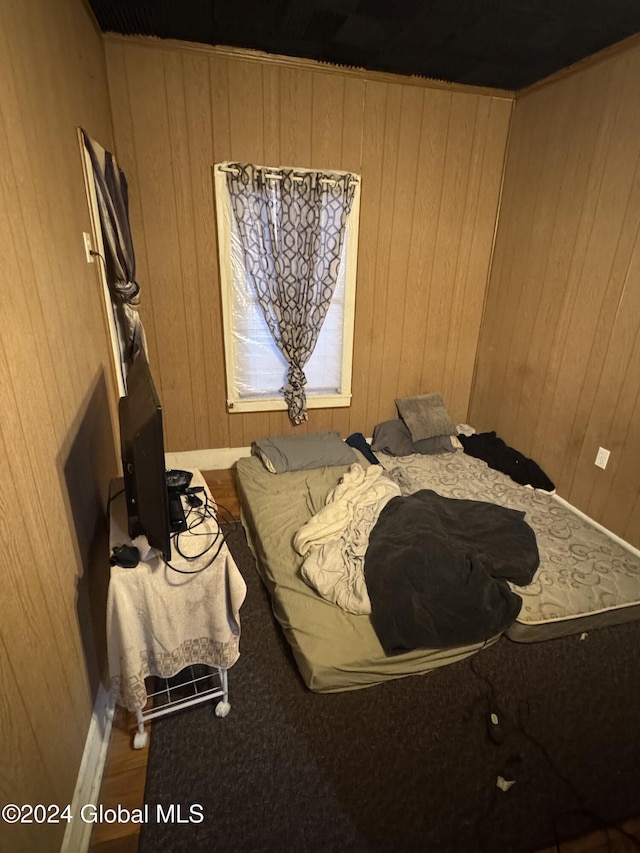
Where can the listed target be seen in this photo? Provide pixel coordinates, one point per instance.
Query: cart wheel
(222, 709)
(140, 740)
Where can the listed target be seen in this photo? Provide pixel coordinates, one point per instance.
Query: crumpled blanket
(334, 542)
(437, 569)
(498, 455)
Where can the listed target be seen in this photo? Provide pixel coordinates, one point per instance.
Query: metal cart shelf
(202, 684)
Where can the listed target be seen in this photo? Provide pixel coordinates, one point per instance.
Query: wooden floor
(126, 768)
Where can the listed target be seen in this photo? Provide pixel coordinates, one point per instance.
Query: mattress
(586, 579)
(334, 650)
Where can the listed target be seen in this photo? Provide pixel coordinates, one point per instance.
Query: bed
(585, 579)
(334, 650)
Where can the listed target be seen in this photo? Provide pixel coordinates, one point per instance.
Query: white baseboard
(214, 459)
(622, 542)
(78, 833)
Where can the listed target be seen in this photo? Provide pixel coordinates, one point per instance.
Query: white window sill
(319, 401)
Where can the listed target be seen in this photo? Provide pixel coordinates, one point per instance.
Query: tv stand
(181, 627)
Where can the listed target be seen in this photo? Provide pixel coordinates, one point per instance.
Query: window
(256, 369)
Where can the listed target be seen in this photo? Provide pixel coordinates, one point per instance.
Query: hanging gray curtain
(113, 205)
(292, 232)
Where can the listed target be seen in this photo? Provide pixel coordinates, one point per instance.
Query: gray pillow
(283, 453)
(425, 416)
(393, 438)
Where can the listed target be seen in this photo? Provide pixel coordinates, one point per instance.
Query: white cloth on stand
(160, 621)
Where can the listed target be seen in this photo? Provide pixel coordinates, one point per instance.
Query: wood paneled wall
(558, 371)
(56, 428)
(431, 161)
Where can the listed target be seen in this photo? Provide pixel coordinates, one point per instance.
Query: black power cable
(203, 512)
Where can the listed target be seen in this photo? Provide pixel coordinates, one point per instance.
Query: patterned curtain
(113, 203)
(292, 226)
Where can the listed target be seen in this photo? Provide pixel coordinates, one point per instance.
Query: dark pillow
(394, 438)
(283, 453)
(425, 416)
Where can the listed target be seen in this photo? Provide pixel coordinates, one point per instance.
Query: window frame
(235, 403)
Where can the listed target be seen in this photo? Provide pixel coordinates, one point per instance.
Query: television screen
(143, 461)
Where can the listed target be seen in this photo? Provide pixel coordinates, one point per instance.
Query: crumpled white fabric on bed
(335, 540)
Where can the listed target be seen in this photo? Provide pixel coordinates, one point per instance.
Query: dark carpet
(406, 765)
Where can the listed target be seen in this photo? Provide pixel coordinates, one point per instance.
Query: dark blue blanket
(437, 569)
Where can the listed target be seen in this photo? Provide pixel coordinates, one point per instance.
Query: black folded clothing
(498, 455)
(359, 442)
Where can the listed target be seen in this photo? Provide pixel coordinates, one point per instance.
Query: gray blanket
(437, 569)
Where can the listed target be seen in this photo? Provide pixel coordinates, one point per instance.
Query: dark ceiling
(499, 43)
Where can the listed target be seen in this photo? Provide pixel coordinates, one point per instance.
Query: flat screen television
(143, 461)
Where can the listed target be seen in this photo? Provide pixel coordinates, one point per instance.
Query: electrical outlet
(87, 246)
(602, 457)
